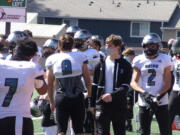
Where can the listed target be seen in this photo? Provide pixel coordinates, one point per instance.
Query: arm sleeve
(168, 62)
(95, 85)
(135, 62)
(84, 58)
(48, 62)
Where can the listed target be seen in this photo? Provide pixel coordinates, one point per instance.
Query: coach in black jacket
(109, 91)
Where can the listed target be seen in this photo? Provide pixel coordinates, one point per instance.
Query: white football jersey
(17, 79)
(66, 64)
(3, 56)
(152, 72)
(176, 73)
(93, 57)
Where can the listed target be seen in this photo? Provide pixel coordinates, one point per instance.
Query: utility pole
(8, 27)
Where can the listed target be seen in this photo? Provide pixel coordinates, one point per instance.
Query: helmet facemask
(151, 44)
(151, 51)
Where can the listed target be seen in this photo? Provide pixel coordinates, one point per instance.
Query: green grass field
(154, 127)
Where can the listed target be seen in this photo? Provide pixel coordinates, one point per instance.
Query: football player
(67, 68)
(154, 69)
(82, 42)
(97, 42)
(174, 98)
(49, 48)
(3, 51)
(48, 120)
(71, 30)
(12, 39)
(18, 78)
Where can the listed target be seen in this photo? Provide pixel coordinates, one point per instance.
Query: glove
(147, 97)
(152, 105)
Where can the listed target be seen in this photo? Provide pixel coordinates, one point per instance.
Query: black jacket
(121, 80)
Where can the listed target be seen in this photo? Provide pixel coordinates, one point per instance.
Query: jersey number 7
(12, 83)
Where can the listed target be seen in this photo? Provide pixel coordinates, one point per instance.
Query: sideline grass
(154, 126)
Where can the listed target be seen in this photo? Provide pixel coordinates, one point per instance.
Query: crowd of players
(85, 84)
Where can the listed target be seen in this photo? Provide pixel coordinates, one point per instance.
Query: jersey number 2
(12, 83)
(151, 77)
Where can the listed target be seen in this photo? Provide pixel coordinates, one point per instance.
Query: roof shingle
(105, 9)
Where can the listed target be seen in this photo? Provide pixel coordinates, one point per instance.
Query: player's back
(93, 57)
(17, 80)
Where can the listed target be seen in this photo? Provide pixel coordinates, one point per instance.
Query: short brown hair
(128, 51)
(66, 42)
(116, 40)
(29, 33)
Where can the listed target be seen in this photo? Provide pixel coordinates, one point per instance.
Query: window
(139, 29)
(71, 22)
(178, 34)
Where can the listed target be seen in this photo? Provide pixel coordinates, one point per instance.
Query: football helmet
(149, 39)
(17, 35)
(35, 109)
(176, 46)
(80, 37)
(72, 29)
(99, 38)
(14, 37)
(51, 43)
(82, 34)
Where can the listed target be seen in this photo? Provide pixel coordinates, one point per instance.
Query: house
(41, 32)
(171, 29)
(131, 19)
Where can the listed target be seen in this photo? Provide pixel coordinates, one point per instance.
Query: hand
(107, 97)
(92, 110)
(151, 101)
(86, 95)
(147, 97)
(157, 99)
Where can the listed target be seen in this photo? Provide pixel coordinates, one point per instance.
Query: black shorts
(16, 125)
(73, 108)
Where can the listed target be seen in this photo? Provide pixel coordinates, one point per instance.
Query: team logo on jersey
(66, 67)
(151, 66)
(121, 71)
(95, 56)
(159, 61)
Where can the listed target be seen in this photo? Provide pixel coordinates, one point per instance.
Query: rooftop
(138, 10)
